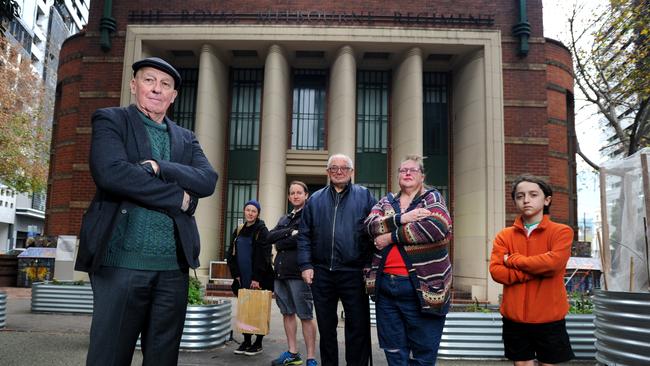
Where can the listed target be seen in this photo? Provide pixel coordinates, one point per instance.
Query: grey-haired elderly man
(138, 237)
(333, 247)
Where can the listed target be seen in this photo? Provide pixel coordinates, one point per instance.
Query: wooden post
(602, 261)
(606, 254)
(646, 194)
(631, 273)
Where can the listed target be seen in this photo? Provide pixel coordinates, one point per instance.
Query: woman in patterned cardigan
(410, 274)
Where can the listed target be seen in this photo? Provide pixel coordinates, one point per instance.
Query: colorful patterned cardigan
(424, 246)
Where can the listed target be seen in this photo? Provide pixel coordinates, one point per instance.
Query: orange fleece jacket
(533, 274)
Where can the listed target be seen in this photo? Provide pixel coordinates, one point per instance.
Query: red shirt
(395, 263)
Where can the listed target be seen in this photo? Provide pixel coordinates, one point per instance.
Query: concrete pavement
(54, 339)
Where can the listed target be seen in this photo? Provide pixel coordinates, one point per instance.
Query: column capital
(208, 48)
(347, 49)
(415, 51)
(276, 48)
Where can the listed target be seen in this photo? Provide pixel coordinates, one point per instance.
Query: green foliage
(24, 133)
(67, 283)
(580, 303)
(194, 293)
(476, 307)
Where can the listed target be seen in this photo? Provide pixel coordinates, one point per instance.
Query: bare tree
(612, 71)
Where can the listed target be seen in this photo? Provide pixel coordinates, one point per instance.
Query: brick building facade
(271, 88)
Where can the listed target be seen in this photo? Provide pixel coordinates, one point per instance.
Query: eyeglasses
(336, 169)
(408, 170)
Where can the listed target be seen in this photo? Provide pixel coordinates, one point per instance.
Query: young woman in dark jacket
(292, 294)
(249, 259)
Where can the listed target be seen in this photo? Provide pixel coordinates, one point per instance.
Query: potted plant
(207, 322)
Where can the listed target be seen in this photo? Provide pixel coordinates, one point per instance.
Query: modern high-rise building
(272, 88)
(39, 31)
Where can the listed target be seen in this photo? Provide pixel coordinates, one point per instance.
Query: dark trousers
(132, 302)
(348, 286)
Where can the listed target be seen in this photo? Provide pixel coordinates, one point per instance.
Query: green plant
(580, 303)
(476, 307)
(68, 283)
(194, 293)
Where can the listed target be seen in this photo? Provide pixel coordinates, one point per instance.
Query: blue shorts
(293, 296)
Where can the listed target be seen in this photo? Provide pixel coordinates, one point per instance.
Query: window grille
(245, 111)
(184, 107)
(308, 116)
(372, 111)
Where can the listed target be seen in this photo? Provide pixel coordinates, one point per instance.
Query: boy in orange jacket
(529, 259)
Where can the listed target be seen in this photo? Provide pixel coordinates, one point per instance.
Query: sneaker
(287, 358)
(253, 350)
(242, 348)
(312, 362)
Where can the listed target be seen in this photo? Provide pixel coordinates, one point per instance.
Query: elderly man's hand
(308, 276)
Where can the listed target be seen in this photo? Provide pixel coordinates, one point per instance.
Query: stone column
(273, 138)
(406, 127)
(342, 104)
(210, 129)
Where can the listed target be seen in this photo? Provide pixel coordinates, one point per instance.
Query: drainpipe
(522, 29)
(107, 26)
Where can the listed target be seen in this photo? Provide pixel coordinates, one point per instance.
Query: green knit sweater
(144, 239)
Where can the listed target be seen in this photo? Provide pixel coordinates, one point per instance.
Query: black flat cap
(160, 64)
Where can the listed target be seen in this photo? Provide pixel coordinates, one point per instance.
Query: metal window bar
(435, 113)
(372, 111)
(308, 116)
(184, 109)
(245, 111)
(378, 190)
(239, 192)
(39, 200)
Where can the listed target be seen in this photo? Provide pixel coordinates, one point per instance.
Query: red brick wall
(559, 90)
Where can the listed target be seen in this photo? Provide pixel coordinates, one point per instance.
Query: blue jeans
(402, 328)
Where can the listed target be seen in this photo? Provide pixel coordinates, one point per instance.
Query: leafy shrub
(580, 303)
(194, 293)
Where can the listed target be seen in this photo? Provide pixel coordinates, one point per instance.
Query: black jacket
(119, 142)
(262, 269)
(286, 246)
(332, 234)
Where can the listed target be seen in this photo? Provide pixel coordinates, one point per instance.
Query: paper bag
(253, 311)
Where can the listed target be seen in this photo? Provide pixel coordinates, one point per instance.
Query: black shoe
(242, 348)
(253, 350)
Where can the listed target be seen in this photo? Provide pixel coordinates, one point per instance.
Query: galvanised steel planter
(622, 327)
(468, 335)
(3, 309)
(207, 326)
(63, 297)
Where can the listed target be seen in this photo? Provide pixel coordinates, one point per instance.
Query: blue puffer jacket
(332, 234)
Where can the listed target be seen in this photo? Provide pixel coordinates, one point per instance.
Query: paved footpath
(54, 339)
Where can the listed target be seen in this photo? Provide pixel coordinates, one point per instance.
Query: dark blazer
(119, 142)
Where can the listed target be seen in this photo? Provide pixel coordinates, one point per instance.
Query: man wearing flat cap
(138, 237)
